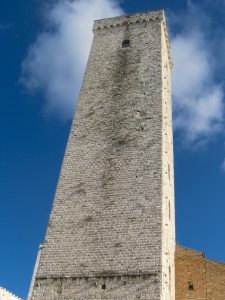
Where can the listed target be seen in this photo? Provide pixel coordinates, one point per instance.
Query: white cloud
(198, 97)
(223, 166)
(5, 26)
(55, 63)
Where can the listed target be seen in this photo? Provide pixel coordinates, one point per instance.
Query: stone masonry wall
(168, 206)
(141, 287)
(107, 234)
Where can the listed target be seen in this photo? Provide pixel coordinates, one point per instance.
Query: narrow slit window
(126, 43)
(170, 279)
(169, 171)
(169, 211)
(190, 286)
(103, 286)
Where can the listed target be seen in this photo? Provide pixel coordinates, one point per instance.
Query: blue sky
(44, 46)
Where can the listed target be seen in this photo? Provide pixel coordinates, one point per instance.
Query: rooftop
(6, 295)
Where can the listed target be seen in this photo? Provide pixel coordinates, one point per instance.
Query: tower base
(141, 287)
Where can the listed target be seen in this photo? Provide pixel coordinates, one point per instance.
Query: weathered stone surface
(113, 214)
(118, 287)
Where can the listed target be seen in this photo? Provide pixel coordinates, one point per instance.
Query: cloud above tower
(197, 88)
(56, 61)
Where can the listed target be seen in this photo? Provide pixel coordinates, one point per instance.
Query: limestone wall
(141, 287)
(108, 222)
(168, 206)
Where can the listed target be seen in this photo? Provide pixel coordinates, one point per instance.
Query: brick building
(198, 278)
(6, 295)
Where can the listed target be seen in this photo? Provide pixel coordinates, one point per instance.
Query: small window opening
(126, 43)
(169, 211)
(169, 171)
(103, 286)
(170, 287)
(190, 286)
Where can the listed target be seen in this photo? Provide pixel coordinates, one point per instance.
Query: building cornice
(139, 18)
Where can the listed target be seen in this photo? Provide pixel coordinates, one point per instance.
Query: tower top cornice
(132, 19)
(129, 19)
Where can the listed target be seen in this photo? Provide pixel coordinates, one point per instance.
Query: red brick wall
(198, 278)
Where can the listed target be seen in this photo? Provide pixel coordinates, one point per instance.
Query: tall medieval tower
(111, 233)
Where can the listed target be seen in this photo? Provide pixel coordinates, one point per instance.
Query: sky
(43, 53)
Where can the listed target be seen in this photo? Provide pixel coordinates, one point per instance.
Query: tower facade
(111, 231)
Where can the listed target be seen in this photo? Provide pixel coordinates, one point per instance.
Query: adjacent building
(198, 278)
(6, 295)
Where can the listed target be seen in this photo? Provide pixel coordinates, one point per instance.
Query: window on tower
(169, 211)
(126, 43)
(170, 287)
(103, 286)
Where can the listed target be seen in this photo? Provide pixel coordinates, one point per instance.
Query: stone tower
(111, 232)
